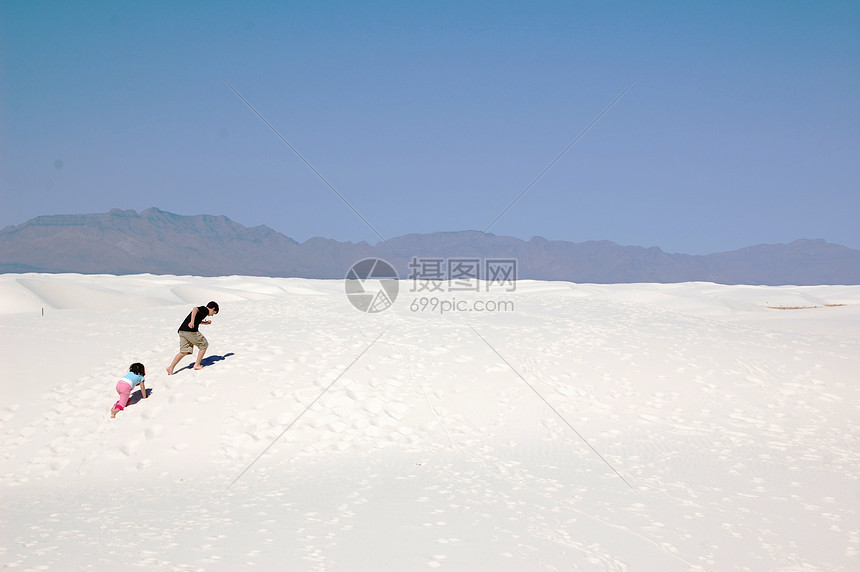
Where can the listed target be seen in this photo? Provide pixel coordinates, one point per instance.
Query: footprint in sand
(9, 413)
(150, 413)
(129, 447)
(59, 464)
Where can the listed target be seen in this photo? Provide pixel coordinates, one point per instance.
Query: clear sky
(742, 125)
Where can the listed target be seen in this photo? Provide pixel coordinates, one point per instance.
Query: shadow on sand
(207, 361)
(136, 396)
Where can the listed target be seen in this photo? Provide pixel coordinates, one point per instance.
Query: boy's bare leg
(178, 357)
(198, 364)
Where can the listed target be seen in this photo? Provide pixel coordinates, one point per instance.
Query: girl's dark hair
(137, 368)
(213, 305)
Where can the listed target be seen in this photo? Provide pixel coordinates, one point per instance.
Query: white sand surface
(594, 427)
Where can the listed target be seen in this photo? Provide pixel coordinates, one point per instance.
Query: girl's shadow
(136, 396)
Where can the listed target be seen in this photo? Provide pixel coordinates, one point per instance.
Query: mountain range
(158, 242)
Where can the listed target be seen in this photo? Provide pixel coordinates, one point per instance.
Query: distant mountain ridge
(158, 242)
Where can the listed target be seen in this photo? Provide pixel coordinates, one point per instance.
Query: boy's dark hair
(137, 368)
(213, 305)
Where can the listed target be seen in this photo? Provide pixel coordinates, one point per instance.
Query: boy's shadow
(207, 361)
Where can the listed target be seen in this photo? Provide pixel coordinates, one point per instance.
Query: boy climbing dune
(190, 336)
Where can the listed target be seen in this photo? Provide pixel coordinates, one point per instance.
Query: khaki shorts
(187, 341)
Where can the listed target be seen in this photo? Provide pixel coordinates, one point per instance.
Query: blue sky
(742, 126)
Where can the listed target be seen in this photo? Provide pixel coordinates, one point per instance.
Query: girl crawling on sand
(126, 384)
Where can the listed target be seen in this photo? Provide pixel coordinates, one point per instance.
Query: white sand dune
(453, 441)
